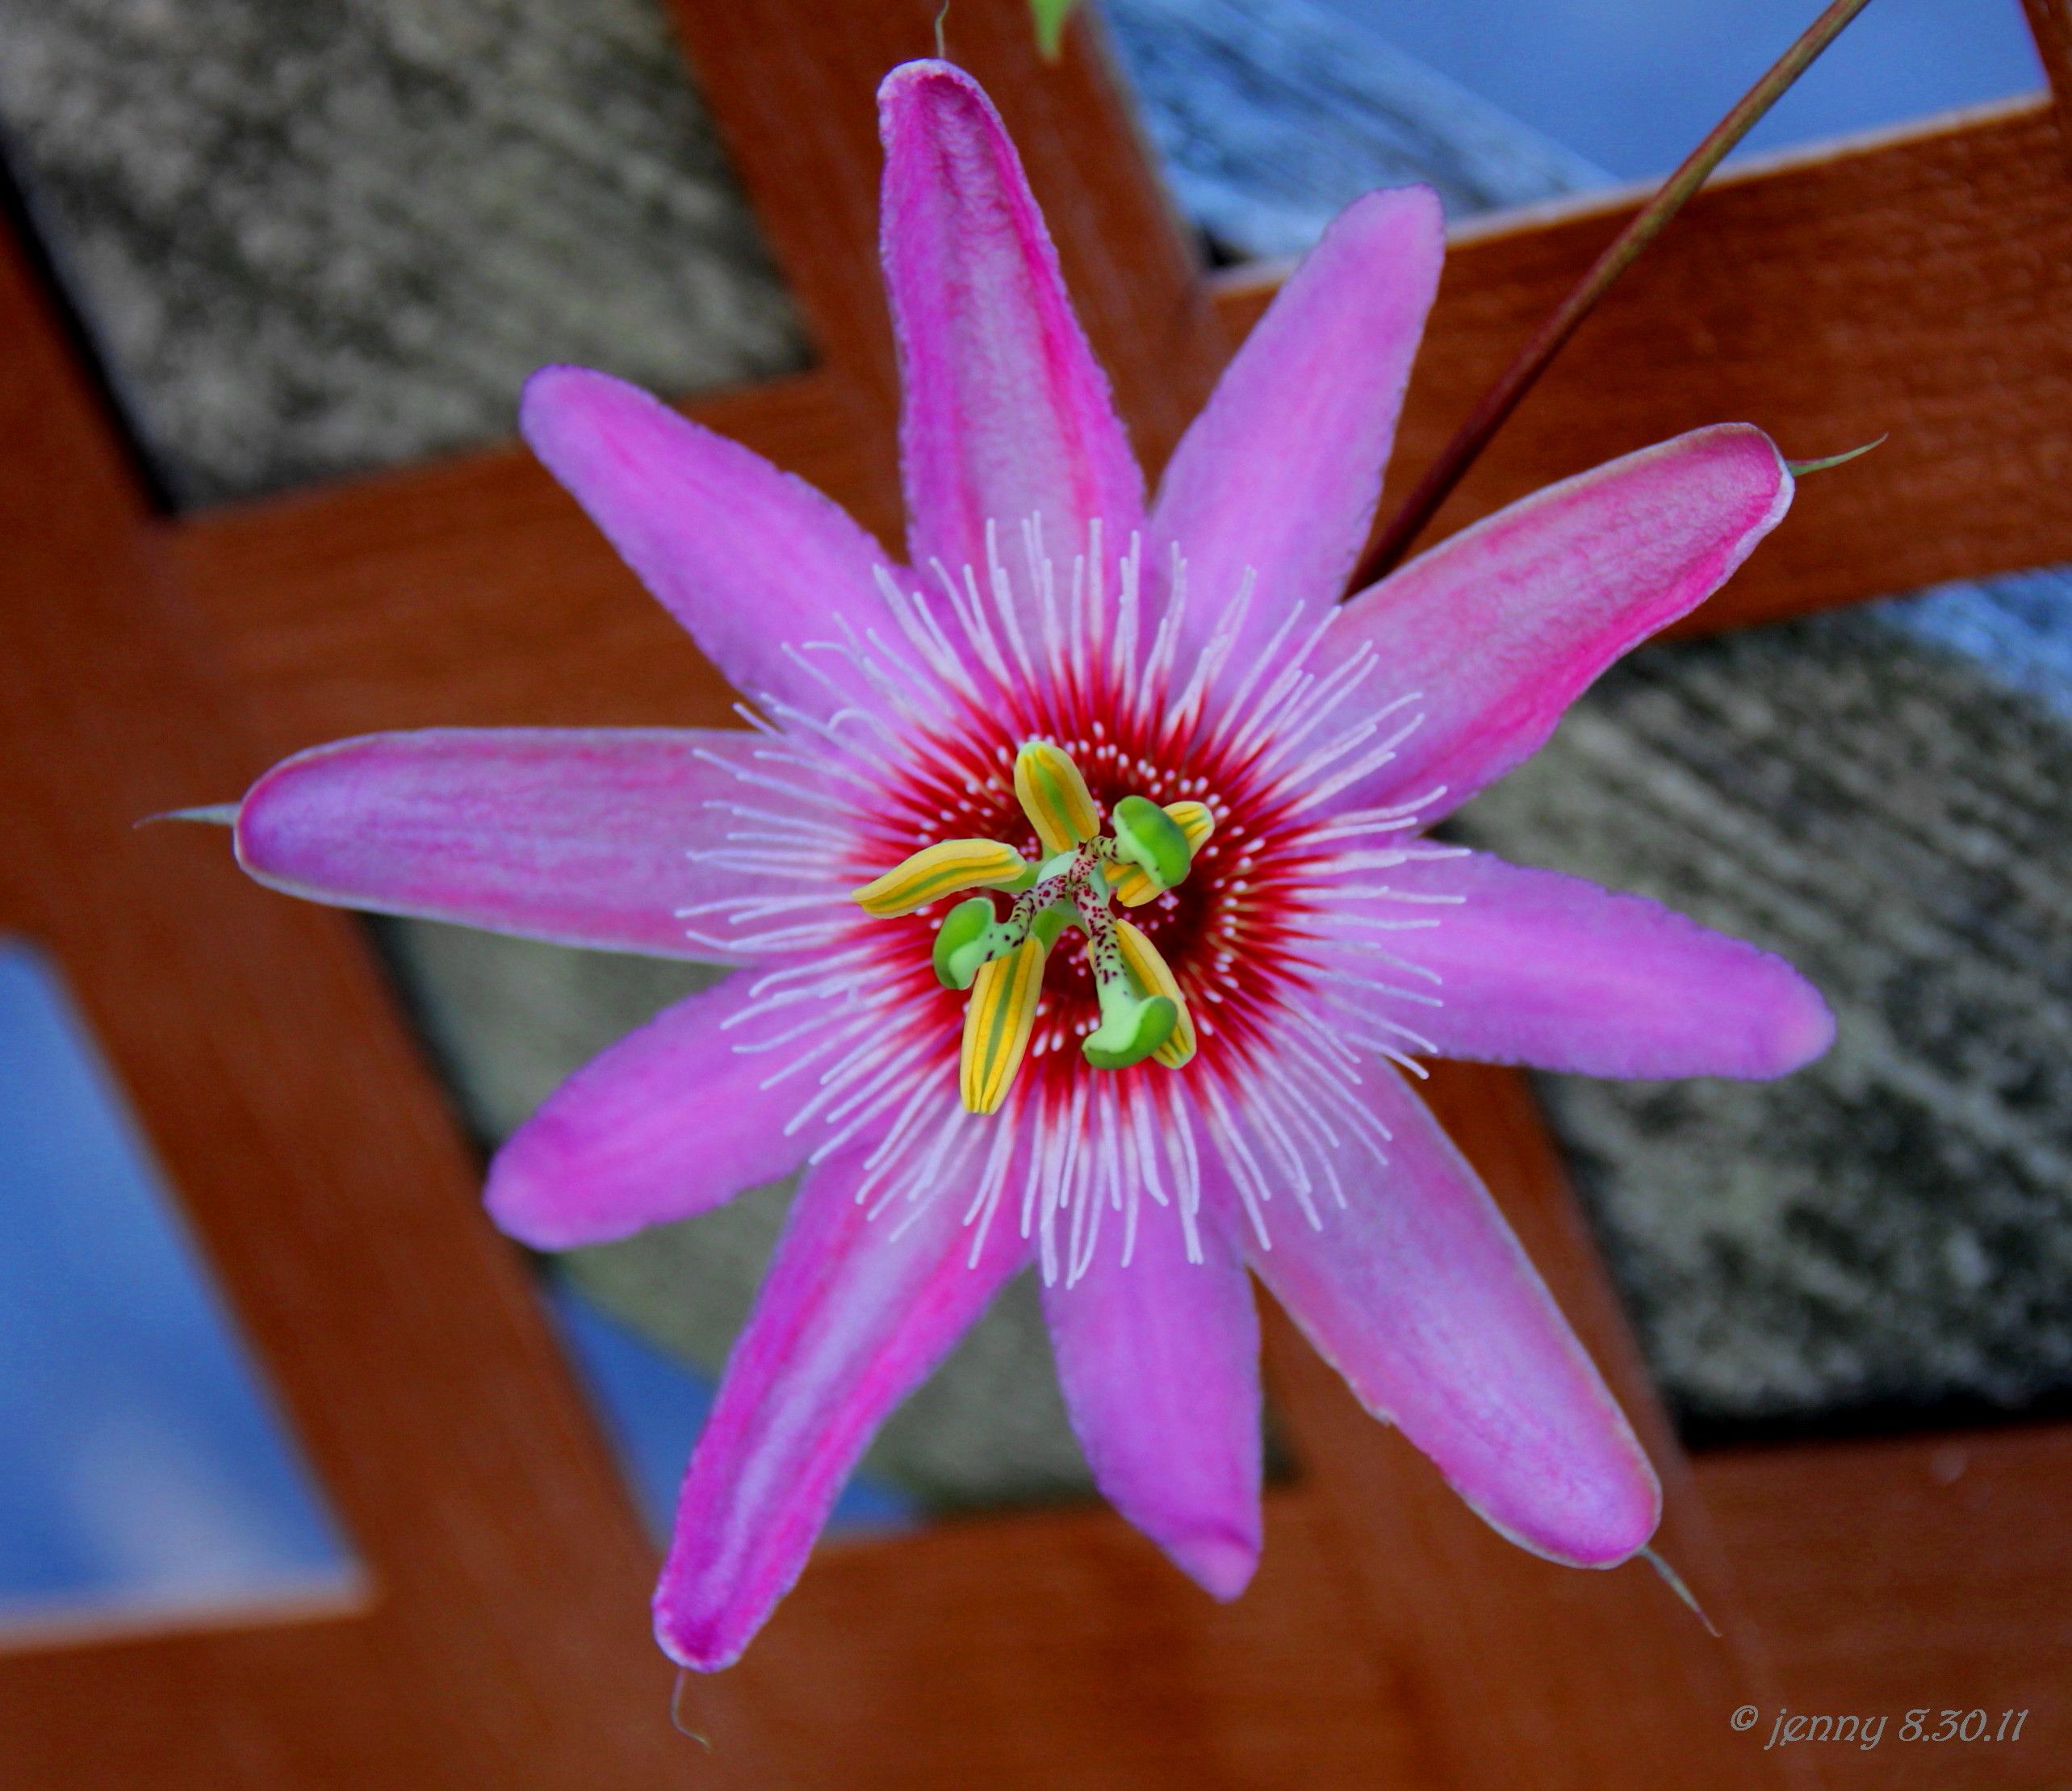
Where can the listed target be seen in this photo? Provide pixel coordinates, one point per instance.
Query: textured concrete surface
(312, 237)
(1892, 1227)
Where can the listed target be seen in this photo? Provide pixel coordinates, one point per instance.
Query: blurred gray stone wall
(1890, 1229)
(315, 236)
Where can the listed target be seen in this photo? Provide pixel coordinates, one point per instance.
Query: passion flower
(1156, 730)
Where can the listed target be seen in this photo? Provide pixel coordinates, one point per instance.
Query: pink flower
(1191, 652)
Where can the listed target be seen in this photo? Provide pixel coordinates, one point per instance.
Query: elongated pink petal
(1502, 626)
(1537, 968)
(1418, 1294)
(1279, 474)
(1159, 1360)
(853, 1314)
(672, 1120)
(582, 836)
(750, 560)
(1007, 416)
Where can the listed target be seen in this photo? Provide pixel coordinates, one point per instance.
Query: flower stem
(1497, 404)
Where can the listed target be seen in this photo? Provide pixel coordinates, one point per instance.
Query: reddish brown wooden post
(2050, 24)
(501, 1632)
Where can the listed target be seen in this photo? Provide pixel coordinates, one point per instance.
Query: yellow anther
(1140, 957)
(1133, 887)
(996, 1025)
(1055, 797)
(938, 870)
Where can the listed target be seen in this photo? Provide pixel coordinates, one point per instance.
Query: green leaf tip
(1670, 1577)
(1798, 469)
(1050, 16)
(220, 814)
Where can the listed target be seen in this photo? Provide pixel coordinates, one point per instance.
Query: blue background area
(142, 1471)
(1633, 85)
(139, 1464)
(2018, 627)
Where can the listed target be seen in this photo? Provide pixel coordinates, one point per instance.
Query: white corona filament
(880, 720)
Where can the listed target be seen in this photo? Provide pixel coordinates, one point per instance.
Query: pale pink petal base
(1159, 1361)
(580, 836)
(672, 1120)
(1419, 1294)
(1500, 628)
(1008, 415)
(854, 1313)
(1536, 968)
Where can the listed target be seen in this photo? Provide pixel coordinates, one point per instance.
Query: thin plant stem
(2050, 24)
(1497, 404)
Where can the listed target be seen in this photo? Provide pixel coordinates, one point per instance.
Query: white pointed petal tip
(926, 78)
(523, 1196)
(708, 1645)
(1221, 1564)
(1803, 1029)
(1601, 1526)
(561, 397)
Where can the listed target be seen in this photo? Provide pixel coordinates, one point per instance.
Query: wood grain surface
(505, 1629)
(2050, 24)
(1901, 1573)
(1918, 286)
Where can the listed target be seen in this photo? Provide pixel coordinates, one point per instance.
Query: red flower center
(1232, 933)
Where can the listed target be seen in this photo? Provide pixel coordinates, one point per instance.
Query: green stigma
(1149, 850)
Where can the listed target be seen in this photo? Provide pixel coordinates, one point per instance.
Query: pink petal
(1280, 473)
(1504, 625)
(1159, 1360)
(1008, 415)
(750, 560)
(578, 835)
(1418, 1294)
(1540, 969)
(673, 1120)
(854, 1313)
